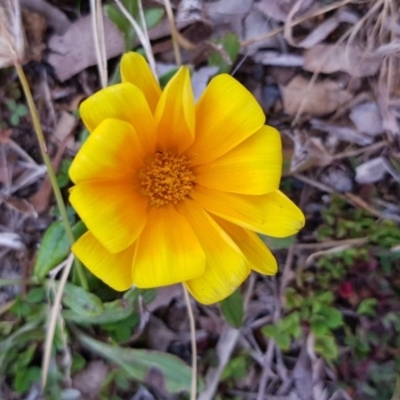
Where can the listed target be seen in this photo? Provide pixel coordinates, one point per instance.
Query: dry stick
(53, 319)
(143, 39)
(193, 389)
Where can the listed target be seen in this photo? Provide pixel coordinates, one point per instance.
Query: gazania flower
(175, 191)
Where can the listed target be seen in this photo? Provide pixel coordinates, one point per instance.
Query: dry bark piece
(330, 58)
(318, 99)
(75, 51)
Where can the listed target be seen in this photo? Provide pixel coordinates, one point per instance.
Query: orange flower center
(166, 179)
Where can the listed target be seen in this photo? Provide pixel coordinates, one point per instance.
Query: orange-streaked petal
(111, 152)
(134, 69)
(257, 253)
(114, 212)
(175, 114)
(272, 214)
(167, 251)
(252, 167)
(113, 269)
(123, 101)
(226, 267)
(226, 114)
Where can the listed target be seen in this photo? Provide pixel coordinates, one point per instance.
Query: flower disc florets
(167, 178)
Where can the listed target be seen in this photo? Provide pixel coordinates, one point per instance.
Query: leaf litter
(326, 75)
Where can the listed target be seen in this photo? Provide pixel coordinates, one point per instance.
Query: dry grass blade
(99, 40)
(53, 318)
(143, 37)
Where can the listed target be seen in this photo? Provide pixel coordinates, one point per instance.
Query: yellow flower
(172, 191)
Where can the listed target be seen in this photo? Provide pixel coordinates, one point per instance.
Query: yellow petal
(252, 167)
(226, 266)
(175, 114)
(226, 114)
(114, 212)
(272, 214)
(111, 152)
(125, 102)
(167, 251)
(257, 253)
(113, 269)
(134, 69)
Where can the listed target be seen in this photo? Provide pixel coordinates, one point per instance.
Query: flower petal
(167, 251)
(226, 266)
(175, 114)
(113, 269)
(272, 214)
(134, 69)
(226, 114)
(114, 212)
(257, 253)
(252, 167)
(111, 152)
(125, 102)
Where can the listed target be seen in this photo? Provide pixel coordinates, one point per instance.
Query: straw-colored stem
(174, 33)
(49, 165)
(193, 391)
(51, 327)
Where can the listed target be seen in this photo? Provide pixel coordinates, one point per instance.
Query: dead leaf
(10, 18)
(54, 17)
(330, 58)
(337, 178)
(325, 28)
(200, 79)
(275, 58)
(279, 10)
(367, 119)
(89, 380)
(318, 99)
(35, 28)
(343, 132)
(75, 51)
(374, 170)
(308, 152)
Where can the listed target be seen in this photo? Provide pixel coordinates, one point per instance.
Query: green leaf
(232, 309)
(293, 298)
(326, 347)
(25, 378)
(319, 325)
(138, 363)
(283, 341)
(226, 56)
(278, 243)
(54, 247)
(367, 307)
(334, 318)
(153, 17)
(81, 301)
(63, 176)
(113, 311)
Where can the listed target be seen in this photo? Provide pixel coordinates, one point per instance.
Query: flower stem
(193, 391)
(45, 156)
